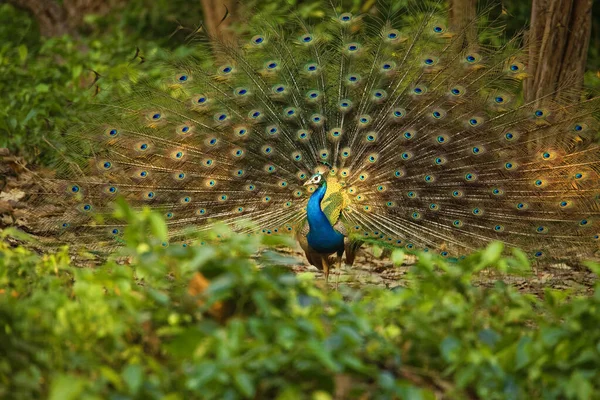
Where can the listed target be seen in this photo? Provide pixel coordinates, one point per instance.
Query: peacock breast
(325, 241)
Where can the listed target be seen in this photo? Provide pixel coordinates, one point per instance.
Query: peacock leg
(339, 271)
(325, 268)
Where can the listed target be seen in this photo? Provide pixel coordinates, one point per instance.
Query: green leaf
(492, 253)
(244, 383)
(76, 71)
(385, 380)
(489, 337)
(278, 240)
(580, 386)
(31, 114)
(158, 227)
(186, 342)
(522, 262)
(321, 395)
(551, 335)
(22, 49)
(42, 88)
(522, 353)
(290, 393)
(593, 266)
(159, 296)
(397, 257)
(66, 387)
(377, 251)
(270, 258)
(323, 355)
(112, 376)
(449, 347)
(133, 376)
(202, 255)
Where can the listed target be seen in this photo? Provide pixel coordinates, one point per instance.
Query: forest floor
(16, 180)
(369, 270)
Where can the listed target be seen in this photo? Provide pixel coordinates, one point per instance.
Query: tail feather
(430, 139)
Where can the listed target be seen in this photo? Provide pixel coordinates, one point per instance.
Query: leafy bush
(203, 321)
(46, 83)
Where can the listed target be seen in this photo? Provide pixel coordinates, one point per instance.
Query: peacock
(360, 129)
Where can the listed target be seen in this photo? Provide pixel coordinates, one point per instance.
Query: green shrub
(47, 83)
(148, 328)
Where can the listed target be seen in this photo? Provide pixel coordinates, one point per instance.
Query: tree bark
(56, 18)
(50, 16)
(462, 16)
(218, 16)
(558, 46)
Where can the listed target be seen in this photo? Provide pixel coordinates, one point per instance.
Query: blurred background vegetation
(50, 51)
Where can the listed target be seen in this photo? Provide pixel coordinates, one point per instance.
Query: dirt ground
(16, 180)
(369, 270)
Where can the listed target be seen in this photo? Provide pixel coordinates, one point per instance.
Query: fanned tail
(427, 140)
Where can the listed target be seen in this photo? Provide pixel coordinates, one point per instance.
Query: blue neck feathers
(322, 237)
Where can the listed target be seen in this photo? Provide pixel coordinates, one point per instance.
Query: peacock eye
(307, 38)
(345, 17)
(258, 39)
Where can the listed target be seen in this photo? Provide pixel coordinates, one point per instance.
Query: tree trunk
(218, 15)
(50, 16)
(462, 16)
(56, 18)
(558, 46)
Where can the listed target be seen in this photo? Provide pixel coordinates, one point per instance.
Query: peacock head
(316, 179)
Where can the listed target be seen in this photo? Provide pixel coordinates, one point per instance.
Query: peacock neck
(321, 236)
(317, 220)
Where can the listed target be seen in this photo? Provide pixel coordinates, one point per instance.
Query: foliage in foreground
(204, 322)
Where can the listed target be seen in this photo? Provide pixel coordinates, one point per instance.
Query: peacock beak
(308, 182)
